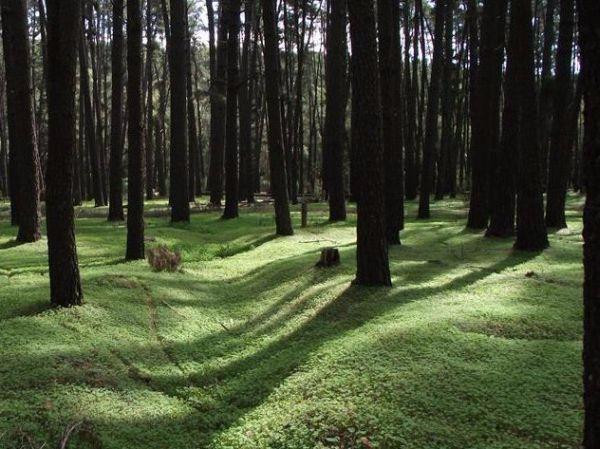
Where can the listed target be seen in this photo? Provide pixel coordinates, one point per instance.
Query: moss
(251, 346)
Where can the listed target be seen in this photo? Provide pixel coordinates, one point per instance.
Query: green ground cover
(251, 346)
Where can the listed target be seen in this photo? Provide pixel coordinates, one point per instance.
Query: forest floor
(251, 346)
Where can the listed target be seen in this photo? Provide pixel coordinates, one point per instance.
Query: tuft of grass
(253, 347)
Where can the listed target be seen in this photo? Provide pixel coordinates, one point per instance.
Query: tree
(561, 143)
(135, 188)
(485, 107)
(433, 99)
(149, 142)
(180, 207)
(25, 191)
(231, 131)
(372, 265)
(334, 137)
(275, 133)
(218, 108)
(390, 70)
(90, 127)
(589, 32)
(64, 19)
(531, 228)
(115, 203)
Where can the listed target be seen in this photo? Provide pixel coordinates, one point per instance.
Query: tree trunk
(275, 132)
(135, 139)
(193, 178)
(334, 138)
(372, 265)
(485, 106)
(90, 128)
(218, 107)
(561, 144)
(390, 70)
(115, 204)
(180, 207)
(246, 190)
(433, 98)
(531, 228)
(410, 93)
(149, 153)
(18, 78)
(64, 19)
(589, 30)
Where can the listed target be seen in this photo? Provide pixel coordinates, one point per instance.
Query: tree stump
(329, 257)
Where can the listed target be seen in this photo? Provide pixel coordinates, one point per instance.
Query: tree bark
(433, 98)
(149, 141)
(334, 137)
(390, 71)
(589, 30)
(231, 131)
(372, 265)
(20, 107)
(180, 207)
(531, 228)
(135, 139)
(561, 144)
(275, 132)
(485, 106)
(115, 204)
(64, 20)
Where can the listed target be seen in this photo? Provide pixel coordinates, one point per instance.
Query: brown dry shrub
(162, 258)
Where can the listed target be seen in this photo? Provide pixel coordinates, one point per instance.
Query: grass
(251, 346)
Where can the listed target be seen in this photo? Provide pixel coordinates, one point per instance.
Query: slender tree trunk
(390, 70)
(372, 265)
(561, 149)
(531, 228)
(589, 30)
(334, 138)
(64, 19)
(546, 89)
(410, 93)
(431, 125)
(193, 178)
(485, 106)
(246, 190)
(231, 132)
(149, 152)
(218, 106)
(275, 132)
(135, 139)
(20, 107)
(115, 204)
(180, 207)
(90, 131)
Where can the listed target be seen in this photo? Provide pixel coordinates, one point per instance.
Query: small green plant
(162, 258)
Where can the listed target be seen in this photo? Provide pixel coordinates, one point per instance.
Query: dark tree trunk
(193, 178)
(433, 98)
(531, 228)
(149, 152)
(64, 19)
(372, 265)
(20, 107)
(504, 156)
(410, 94)
(218, 107)
(275, 132)
(231, 132)
(448, 106)
(334, 137)
(90, 128)
(390, 70)
(246, 190)
(561, 145)
(115, 204)
(589, 32)
(180, 207)
(485, 107)
(161, 134)
(135, 139)
(546, 89)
